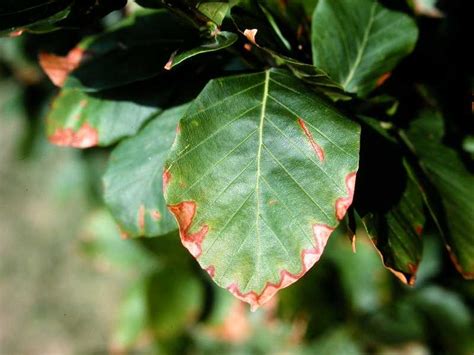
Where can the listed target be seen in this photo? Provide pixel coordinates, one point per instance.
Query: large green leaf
(356, 42)
(453, 181)
(260, 174)
(133, 181)
(79, 120)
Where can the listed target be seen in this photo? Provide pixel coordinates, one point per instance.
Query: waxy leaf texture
(359, 42)
(133, 181)
(261, 173)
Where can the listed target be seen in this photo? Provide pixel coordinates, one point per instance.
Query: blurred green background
(69, 284)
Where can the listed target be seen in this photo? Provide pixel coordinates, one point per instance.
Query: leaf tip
(250, 34)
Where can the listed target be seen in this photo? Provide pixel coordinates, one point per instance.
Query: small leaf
(133, 181)
(258, 187)
(445, 170)
(357, 42)
(221, 41)
(80, 120)
(215, 11)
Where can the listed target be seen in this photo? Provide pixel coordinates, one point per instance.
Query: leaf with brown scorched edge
(133, 181)
(454, 183)
(80, 120)
(311, 75)
(396, 234)
(255, 202)
(356, 42)
(221, 41)
(24, 15)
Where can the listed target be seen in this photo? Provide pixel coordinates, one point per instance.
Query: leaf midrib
(259, 155)
(362, 47)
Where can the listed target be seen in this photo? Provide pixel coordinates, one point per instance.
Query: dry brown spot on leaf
(57, 68)
(466, 274)
(87, 136)
(155, 214)
(250, 34)
(383, 78)
(184, 213)
(309, 257)
(16, 33)
(316, 147)
(343, 203)
(169, 63)
(141, 218)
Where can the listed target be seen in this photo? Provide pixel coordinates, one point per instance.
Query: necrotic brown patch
(57, 68)
(86, 136)
(317, 149)
(184, 214)
(141, 218)
(309, 257)
(343, 203)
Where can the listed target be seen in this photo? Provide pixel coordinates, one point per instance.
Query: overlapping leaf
(260, 174)
(133, 181)
(397, 233)
(134, 50)
(356, 42)
(220, 41)
(454, 183)
(79, 120)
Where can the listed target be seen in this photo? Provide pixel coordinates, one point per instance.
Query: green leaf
(393, 218)
(135, 50)
(334, 342)
(138, 49)
(133, 181)
(314, 77)
(102, 241)
(453, 181)
(132, 317)
(80, 120)
(215, 11)
(260, 174)
(220, 41)
(175, 297)
(20, 15)
(396, 234)
(356, 42)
